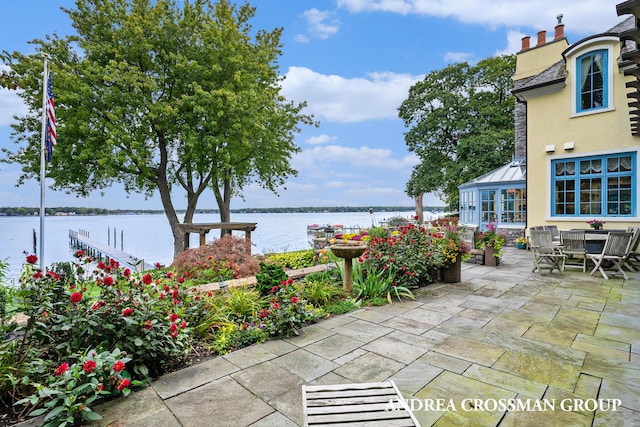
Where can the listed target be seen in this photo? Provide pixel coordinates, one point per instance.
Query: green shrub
(370, 283)
(270, 276)
(378, 232)
(294, 260)
(319, 292)
(234, 336)
(341, 307)
(242, 304)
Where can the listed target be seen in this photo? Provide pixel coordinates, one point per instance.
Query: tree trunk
(224, 203)
(419, 208)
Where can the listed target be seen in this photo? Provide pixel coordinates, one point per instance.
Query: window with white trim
(592, 74)
(594, 185)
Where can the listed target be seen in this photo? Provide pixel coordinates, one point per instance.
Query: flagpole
(42, 159)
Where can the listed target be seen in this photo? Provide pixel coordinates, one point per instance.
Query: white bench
(370, 404)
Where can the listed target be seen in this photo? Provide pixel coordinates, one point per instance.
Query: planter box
(489, 258)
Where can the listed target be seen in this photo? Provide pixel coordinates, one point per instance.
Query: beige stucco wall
(550, 121)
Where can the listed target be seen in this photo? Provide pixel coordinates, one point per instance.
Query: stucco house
(578, 128)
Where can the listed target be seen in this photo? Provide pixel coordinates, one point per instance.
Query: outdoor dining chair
(632, 261)
(615, 251)
(573, 245)
(555, 234)
(546, 255)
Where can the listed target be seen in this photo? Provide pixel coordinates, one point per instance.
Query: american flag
(50, 138)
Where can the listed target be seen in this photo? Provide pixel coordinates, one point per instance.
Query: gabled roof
(513, 172)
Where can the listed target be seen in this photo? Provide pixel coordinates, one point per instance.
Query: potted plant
(521, 242)
(596, 224)
(492, 241)
(451, 250)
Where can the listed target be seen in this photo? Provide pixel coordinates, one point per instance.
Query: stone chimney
(526, 43)
(542, 37)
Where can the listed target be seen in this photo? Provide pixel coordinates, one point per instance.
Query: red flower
(158, 266)
(62, 369)
(53, 275)
(96, 305)
(264, 313)
(32, 259)
(294, 300)
(183, 324)
(173, 317)
(173, 327)
(148, 325)
(89, 366)
(122, 384)
(127, 312)
(146, 279)
(108, 281)
(276, 306)
(100, 387)
(37, 275)
(170, 274)
(274, 290)
(127, 273)
(118, 366)
(176, 294)
(180, 279)
(76, 297)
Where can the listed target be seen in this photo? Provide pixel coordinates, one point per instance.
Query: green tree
(166, 96)
(461, 124)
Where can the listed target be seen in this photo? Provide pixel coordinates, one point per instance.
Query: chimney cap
(559, 18)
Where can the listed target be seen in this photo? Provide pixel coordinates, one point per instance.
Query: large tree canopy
(461, 124)
(161, 95)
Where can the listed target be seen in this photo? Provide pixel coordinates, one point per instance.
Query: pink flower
(118, 366)
(62, 369)
(276, 306)
(294, 300)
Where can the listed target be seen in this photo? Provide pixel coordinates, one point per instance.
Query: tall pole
(42, 160)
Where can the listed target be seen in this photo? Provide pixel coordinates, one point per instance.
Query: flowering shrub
(520, 241)
(491, 237)
(294, 260)
(68, 392)
(287, 310)
(450, 246)
(408, 254)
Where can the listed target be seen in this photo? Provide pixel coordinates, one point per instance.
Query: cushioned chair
(545, 253)
(573, 245)
(615, 250)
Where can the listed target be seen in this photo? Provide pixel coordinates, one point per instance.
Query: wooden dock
(80, 240)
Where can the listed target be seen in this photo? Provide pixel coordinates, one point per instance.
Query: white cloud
(301, 38)
(334, 184)
(456, 57)
(366, 157)
(10, 104)
(348, 100)
(320, 23)
(321, 139)
(514, 43)
(584, 17)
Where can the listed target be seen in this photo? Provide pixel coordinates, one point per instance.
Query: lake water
(149, 237)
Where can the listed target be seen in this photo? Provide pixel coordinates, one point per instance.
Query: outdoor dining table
(595, 239)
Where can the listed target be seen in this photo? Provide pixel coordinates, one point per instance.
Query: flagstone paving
(503, 334)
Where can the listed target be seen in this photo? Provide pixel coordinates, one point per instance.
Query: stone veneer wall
(520, 130)
(512, 234)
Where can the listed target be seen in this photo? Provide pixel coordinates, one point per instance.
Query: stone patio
(503, 333)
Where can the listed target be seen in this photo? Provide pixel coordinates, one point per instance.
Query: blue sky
(353, 61)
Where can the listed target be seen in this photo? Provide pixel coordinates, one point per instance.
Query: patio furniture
(546, 255)
(555, 234)
(370, 404)
(467, 235)
(615, 251)
(632, 261)
(573, 245)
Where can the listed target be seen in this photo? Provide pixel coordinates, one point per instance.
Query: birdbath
(348, 252)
